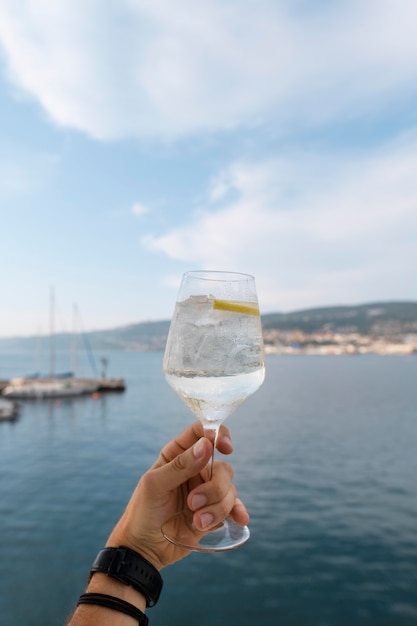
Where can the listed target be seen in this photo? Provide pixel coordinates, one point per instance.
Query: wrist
(120, 538)
(130, 568)
(101, 583)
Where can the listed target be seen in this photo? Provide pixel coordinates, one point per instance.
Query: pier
(97, 385)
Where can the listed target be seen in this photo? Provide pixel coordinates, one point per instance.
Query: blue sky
(143, 138)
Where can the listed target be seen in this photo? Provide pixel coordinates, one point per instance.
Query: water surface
(325, 459)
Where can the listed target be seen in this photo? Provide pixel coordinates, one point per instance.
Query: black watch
(130, 568)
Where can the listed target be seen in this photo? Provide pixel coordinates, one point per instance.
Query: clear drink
(214, 360)
(213, 398)
(214, 341)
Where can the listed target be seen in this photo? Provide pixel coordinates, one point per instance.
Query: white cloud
(139, 209)
(311, 230)
(158, 68)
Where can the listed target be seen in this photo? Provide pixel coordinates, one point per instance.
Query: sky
(140, 139)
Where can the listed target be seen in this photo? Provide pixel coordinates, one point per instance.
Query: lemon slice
(246, 308)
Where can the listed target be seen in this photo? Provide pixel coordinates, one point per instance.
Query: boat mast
(74, 340)
(52, 333)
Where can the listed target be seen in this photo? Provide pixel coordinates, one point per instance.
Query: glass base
(180, 531)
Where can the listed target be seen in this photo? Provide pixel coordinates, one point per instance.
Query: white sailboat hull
(48, 388)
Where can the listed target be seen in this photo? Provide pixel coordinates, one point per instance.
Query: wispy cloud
(139, 209)
(311, 188)
(164, 69)
(311, 229)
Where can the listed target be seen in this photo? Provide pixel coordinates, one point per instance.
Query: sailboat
(25, 388)
(8, 410)
(52, 386)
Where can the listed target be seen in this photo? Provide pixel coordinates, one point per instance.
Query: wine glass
(214, 360)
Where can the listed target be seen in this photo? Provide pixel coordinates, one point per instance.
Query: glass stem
(211, 434)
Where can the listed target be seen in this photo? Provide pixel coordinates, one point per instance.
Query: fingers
(215, 500)
(224, 442)
(182, 467)
(210, 516)
(184, 460)
(239, 513)
(188, 438)
(182, 442)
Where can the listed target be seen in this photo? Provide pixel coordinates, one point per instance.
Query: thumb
(184, 466)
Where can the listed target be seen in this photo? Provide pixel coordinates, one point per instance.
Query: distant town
(387, 329)
(328, 342)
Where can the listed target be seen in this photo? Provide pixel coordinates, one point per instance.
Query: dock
(107, 384)
(98, 385)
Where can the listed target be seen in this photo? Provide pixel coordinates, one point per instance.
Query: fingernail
(198, 501)
(206, 519)
(198, 449)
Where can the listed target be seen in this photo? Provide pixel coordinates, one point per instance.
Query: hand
(178, 478)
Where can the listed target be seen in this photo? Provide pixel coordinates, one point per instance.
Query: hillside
(386, 320)
(366, 319)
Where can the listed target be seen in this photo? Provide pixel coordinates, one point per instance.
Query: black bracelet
(110, 602)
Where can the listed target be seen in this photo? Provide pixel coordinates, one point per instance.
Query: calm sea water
(325, 459)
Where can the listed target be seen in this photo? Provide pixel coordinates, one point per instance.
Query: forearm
(136, 549)
(91, 615)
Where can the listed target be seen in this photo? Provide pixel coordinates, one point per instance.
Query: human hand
(179, 477)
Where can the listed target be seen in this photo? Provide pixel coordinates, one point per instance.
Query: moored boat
(8, 410)
(22, 388)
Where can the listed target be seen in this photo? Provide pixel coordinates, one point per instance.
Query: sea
(325, 460)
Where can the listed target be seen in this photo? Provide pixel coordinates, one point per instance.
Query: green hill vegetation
(365, 319)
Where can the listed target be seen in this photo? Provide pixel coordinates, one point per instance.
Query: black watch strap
(130, 568)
